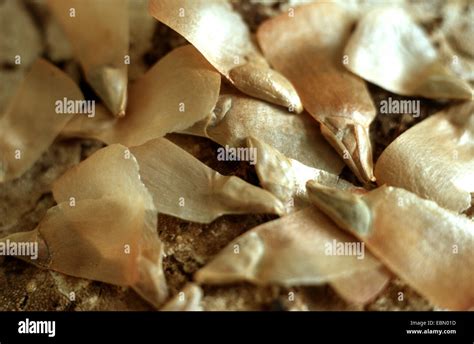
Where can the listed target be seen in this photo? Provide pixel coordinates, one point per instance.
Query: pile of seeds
(289, 109)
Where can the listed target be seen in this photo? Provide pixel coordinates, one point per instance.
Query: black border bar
(136, 327)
